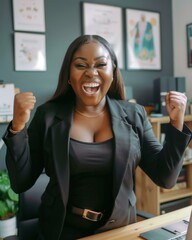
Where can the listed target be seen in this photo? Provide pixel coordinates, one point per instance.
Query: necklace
(88, 116)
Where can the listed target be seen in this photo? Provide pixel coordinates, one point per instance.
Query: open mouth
(91, 88)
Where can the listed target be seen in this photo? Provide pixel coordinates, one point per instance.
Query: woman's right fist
(23, 104)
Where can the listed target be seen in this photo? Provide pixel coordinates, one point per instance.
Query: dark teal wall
(63, 24)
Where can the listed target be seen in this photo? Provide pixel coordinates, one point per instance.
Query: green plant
(8, 198)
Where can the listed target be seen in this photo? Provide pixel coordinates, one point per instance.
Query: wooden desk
(132, 231)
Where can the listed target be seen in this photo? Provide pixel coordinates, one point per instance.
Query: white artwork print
(7, 92)
(29, 15)
(105, 21)
(30, 54)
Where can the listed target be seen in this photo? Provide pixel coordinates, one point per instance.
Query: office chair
(27, 217)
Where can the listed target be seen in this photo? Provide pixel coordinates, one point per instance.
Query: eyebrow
(97, 58)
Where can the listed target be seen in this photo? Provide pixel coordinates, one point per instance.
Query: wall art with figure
(189, 44)
(143, 40)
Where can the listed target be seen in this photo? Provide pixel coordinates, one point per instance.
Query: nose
(91, 71)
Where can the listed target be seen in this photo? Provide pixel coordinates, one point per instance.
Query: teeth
(91, 84)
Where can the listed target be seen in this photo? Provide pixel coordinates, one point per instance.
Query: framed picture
(30, 54)
(7, 93)
(29, 15)
(189, 44)
(106, 21)
(143, 40)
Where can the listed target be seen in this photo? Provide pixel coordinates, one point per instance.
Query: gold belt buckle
(86, 213)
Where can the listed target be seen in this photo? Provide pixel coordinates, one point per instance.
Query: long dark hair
(64, 89)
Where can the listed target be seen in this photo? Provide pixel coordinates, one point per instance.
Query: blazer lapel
(121, 129)
(60, 136)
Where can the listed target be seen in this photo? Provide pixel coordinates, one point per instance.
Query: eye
(80, 65)
(101, 65)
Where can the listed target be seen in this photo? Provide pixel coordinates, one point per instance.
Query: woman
(90, 140)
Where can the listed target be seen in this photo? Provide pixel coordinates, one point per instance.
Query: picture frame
(189, 44)
(30, 52)
(29, 15)
(106, 21)
(143, 40)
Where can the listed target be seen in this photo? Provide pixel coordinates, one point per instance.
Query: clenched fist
(23, 104)
(176, 105)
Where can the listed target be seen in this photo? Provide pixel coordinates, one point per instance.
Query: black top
(91, 168)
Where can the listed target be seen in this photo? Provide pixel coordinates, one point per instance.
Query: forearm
(163, 164)
(18, 161)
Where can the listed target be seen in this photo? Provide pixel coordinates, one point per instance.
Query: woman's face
(91, 73)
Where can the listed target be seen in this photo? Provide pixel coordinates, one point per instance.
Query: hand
(23, 105)
(176, 105)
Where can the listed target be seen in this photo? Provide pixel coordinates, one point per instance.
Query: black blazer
(45, 145)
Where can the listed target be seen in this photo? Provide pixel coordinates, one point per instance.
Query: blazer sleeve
(163, 163)
(23, 163)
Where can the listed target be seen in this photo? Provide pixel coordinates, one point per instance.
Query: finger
(176, 96)
(28, 103)
(25, 97)
(31, 99)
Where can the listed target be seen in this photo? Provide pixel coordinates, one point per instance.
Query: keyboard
(179, 237)
(174, 231)
(181, 230)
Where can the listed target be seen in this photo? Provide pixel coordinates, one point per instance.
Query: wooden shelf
(175, 194)
(149, 195)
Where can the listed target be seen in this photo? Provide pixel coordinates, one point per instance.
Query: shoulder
(52, 112)
(47, 106)
(133, 113)
(130, 107)
(46, 109)
(57, 108)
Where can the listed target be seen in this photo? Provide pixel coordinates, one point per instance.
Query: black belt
(87, 214)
